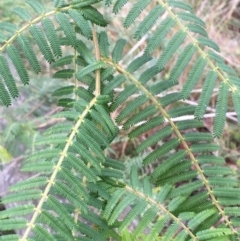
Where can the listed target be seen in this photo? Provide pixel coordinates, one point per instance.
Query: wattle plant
(77, 191)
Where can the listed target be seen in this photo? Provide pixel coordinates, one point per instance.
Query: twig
(97, 55)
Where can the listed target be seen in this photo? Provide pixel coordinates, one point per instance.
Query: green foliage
(80, 190)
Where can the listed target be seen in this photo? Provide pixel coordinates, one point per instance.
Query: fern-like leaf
(193, 77)
(22, 13)
(118, 49)
(92, 14)
(17, 61)
(172, 46)
(9, 27)
(236, 102)
(67, 28)
(208, 42)
(66, 60)
(118, 5)
(191, 18)
(90, 68)
(182, 62)
(42, 43)
(36, 6)
(52, 37)
(180, 5)
(159, 35)
(148, 22)
(85, 52)
(64, 74)
(221, 110)
(25, 46)
(137, 63)
(135, 12)
(7, 76)
(104, 44)
(208, 87)
(81, 22)
(58, 3)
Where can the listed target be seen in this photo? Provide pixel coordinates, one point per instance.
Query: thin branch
(97, 55)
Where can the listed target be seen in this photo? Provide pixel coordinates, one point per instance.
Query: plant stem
(97, 55)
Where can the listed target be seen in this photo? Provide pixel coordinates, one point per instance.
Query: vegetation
(175, 185)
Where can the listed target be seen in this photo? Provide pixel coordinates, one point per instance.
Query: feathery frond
(79, 192)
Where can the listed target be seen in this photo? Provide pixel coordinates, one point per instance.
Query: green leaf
(213, 233)
(112, 203)
(81, 167)
(42, 233)
(28, 51)
(52, 37)
(83, 3)
(104, 44)
(66, 60)
(148, 22)
(7, 76)
(42, 166)
(29, 183)
(199, 218)
(93, 15)
(118, 50)
(64, 74)
(205, 96)
(197, 29)
(26, 196)
(58, 3)
(9, 27)
(157, 228)
(85, 52)
(180, 5)
(66, 102)
(118, 5)
(115, 82)
(165, 148)
(137, 63)
(125, 202)
(18, 63)
(193, 77)
(17, 211)
(22, 13)
(168, 164)
(140, 116)
(36, 6)
(159, 35)
(81, 22)
(221, 110)
(135, 11)
(10, 237)
(170, 49)
(190, 17)
(42, 43)
(208, 42)
(236, 102)
(56, 225)
(90, 68)
(67, 90)
(131, 107)
(67, 28)
(10, 224)
(156, 137)
(122, 96)
(182, 62)
(147, 218)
